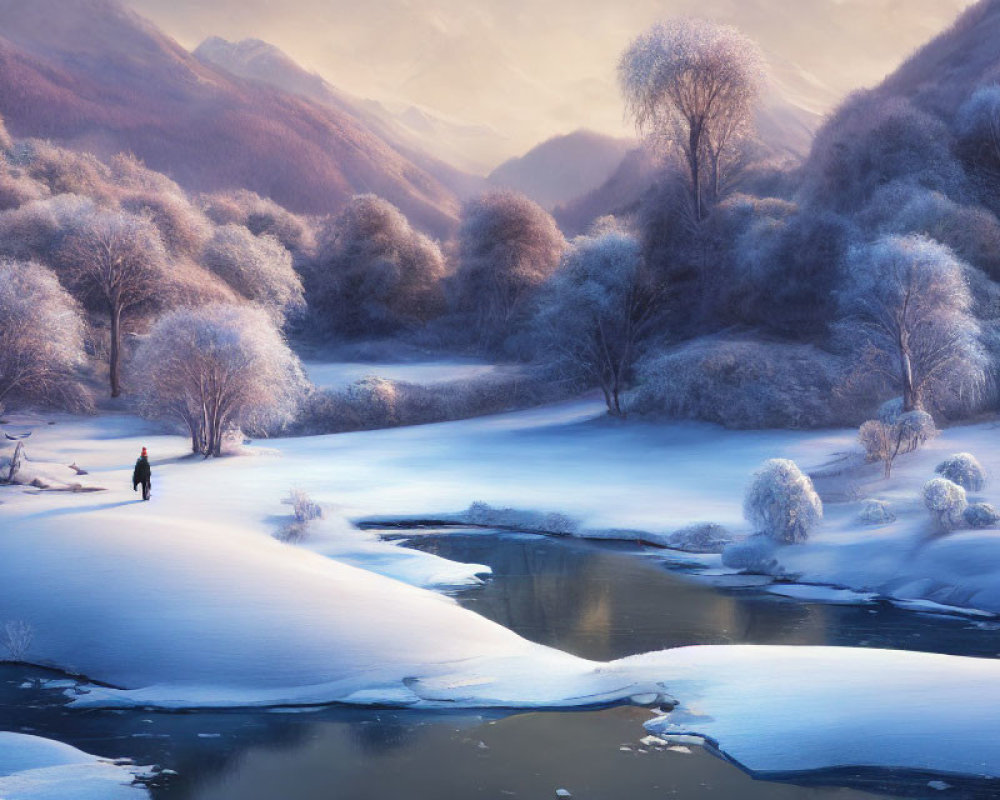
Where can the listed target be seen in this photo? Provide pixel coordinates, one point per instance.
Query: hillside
(940, 75)
(91, 75)
(449, 152)
(562, 168)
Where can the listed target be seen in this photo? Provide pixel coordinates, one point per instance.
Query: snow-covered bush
(981, 515)
(753, 554)
(217, 368)
(876, 512)
(965, 470)
(945, 501)
(739, 384)
(915, 429)
(304, 511)
(884, 441)
(782, 503)
(380, 403)
(707, 537)
(890, 411)
(303, 506)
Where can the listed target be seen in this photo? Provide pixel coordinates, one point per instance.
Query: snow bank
(336, 538)
(791, 709)
(33, 768)
(198, 615)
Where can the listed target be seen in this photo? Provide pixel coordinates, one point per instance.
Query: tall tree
(694, 84)
(597, 310)
(117, 262)
(508, 246)
(218, 368)
(909, 321)
(41, 337)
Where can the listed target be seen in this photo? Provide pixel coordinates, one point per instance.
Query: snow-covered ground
(790, 709)
(188, 600)
(339, 375)
(33, 768)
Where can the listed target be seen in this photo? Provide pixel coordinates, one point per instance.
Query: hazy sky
(534, 68)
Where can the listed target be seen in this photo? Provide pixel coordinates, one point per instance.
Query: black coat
(142, 472)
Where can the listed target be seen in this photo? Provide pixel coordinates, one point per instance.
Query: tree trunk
(910, 399)
(694, 161)
(115, 358)
(607, 398)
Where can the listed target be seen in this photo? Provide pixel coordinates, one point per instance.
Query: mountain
(562, 168)
(618, 195)
(93, 76)
(533, 69)
(940, 75)
(452, 152)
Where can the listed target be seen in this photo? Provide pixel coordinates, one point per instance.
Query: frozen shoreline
(189, 602)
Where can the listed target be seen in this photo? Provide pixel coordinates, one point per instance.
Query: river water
(600, 601)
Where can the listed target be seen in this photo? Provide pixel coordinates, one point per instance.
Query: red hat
(144, 451)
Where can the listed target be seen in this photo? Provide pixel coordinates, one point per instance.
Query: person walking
(142, 474)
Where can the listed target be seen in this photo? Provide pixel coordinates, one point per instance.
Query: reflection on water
(606, 600)
(598, 601)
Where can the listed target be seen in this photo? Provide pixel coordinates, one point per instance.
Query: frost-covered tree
(781, 502)
(41, 338)
(870, 142)
(978, 126)
(886, 439)
(257, 267)
(909, 321)
(508, 246)
(965, 470)
(218, 368)
(946, 502)
(117, 263)
(373, 272)
(183, 228)
(261, 215)
(596, 311)
(694, 84)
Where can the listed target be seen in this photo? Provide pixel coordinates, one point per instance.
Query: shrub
(379, 403)
(945, 501)
(963, 469)
(740, 384)
(981, 515)
(883, 441)
(915, 429)
(702, 538)
(890, 411)
(876, 512)
(303, 506)
(782, 502)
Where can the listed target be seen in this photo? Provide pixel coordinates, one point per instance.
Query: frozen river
(601, 601)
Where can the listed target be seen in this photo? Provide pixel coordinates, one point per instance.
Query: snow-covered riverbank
(189, 601)
(33, 768)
